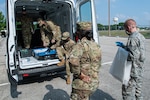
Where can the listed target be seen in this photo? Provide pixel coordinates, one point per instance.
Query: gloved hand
(53, 47)
(120, 44)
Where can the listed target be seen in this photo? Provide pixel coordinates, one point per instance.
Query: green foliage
(118, 26)
(121, 24)
(100, 26)
(146, 33)
(113, 33)
(2, 21)
(121, 33)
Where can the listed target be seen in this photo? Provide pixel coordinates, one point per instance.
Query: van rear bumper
(48, 70)
(52, 68)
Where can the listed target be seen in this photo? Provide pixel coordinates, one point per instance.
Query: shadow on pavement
(15, 93)
(100, 95)
(58, 94)
(55, 94)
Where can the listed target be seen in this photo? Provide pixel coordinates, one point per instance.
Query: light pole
(109, 18)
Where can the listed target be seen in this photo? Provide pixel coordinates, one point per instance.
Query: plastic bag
(120, 68)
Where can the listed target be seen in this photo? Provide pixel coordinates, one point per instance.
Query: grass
(121, 33)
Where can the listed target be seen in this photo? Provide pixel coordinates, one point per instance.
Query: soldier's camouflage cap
(84, 26)
(65, 35)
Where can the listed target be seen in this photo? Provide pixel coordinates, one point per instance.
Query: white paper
(120, 68)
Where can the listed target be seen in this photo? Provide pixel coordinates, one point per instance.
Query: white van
(20, 62)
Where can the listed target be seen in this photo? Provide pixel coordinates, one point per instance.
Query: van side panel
(95, 30)
(10, 59)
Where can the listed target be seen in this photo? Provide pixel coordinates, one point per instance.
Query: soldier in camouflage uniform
(50, 33)
(81, 26)
(66, 47)
(136, 48)
(27, 28)
(51, 36)
(85, 60)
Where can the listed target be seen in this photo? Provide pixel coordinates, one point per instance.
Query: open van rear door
(23, 62)
(85, 12)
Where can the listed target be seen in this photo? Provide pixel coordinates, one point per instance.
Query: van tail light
(25, 75)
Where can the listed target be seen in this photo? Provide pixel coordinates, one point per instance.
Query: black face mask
(62, 42)
(43, 25)
(38, 25)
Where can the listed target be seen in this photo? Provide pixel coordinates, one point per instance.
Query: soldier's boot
(61, 63)
(68, 81)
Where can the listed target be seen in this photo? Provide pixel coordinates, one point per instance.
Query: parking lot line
(3, 84)
(107, 63)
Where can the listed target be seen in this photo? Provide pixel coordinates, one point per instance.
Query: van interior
(58, 12)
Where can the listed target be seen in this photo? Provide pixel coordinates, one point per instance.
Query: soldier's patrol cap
(84, 26)
(65, 35)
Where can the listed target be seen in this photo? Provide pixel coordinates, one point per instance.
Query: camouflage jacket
(54, 30)
(68, 46)
(26, 23)
(82, 63)
(136, 47)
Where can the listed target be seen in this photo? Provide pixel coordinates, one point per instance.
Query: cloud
(123, 17)
(147, 15)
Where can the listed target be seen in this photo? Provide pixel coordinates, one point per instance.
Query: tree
(2, 21)
(100, 27)
(121, 26)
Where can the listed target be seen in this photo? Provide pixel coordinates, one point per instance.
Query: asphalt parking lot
(55, 88)
(108, 83)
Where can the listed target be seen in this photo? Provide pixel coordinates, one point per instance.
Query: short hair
(129, 22)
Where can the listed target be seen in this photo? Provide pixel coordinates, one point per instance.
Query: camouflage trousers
(133, 91)
(26, 38)
(61, 54)
(77, 94)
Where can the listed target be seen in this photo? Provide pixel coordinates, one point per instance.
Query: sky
(139, 10)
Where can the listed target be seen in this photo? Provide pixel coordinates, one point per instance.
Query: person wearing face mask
(136, 48)
(85, 62)
(50, 33)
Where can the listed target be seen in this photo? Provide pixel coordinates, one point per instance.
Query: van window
(85, 12)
